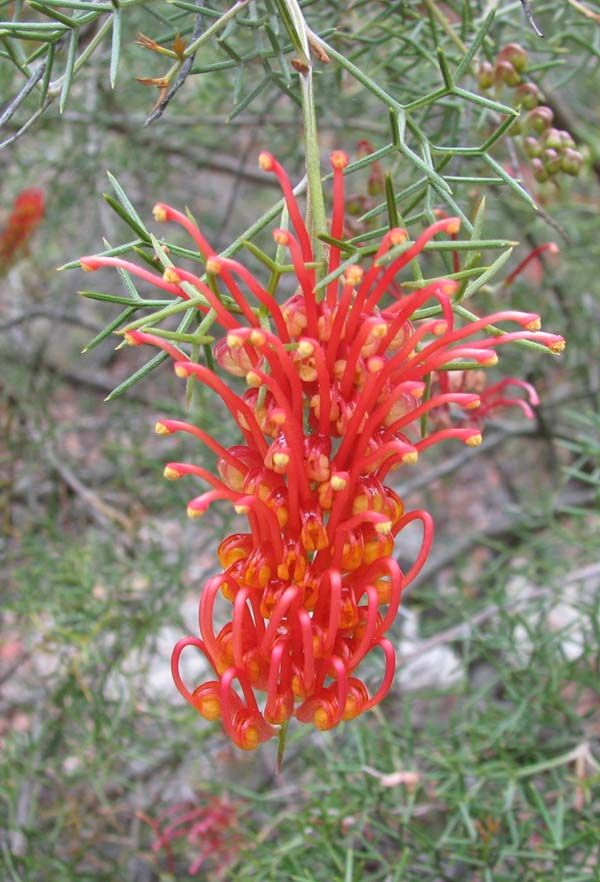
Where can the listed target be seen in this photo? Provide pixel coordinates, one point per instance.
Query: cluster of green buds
(511, 63)
(552, 151)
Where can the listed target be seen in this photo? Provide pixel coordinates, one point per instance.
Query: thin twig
(26, 126)
(182, 76)
(28, 87)
(529, 16)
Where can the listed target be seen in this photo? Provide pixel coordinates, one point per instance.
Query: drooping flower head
(339, 379)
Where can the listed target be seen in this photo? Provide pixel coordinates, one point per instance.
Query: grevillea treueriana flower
(338, 385)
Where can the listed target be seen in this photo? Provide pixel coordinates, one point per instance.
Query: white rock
(437, 668)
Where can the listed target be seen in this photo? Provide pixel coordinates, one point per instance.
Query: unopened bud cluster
(552, 151)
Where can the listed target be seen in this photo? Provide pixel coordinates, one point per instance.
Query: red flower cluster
(27, 212)
(338, 385)
(211, 829)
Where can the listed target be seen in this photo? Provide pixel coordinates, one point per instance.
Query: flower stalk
(316, 205)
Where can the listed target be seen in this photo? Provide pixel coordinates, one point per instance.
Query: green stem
(281, 742)
(317, 222)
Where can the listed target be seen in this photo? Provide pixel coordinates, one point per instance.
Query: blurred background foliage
(483, 764)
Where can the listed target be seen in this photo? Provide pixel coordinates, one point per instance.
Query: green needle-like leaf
(124, 301)
(138, 375)
(115, 52)
(68, 74)
(121, 319)
(124, 200)
(512, 183)
(466, 62)
(125, 216)
(485, 277)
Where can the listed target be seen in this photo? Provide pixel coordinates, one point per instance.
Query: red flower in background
(210, 829)
(338, 385)
(27, 213)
